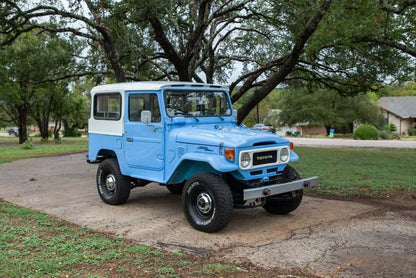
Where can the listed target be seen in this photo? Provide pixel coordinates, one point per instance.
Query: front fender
(293, 156)
(217, 162)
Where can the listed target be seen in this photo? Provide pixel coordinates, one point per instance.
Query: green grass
(408, 138)
(12, 152)
(33, 244)
(15, 140)
(217, 269)
(359, 172)
(336, 135)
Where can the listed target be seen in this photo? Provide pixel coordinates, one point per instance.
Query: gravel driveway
(326, 237)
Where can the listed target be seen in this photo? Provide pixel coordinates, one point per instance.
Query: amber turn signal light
(229, 154)
(291, 145)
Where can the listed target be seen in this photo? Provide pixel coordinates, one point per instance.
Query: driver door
(144, 143)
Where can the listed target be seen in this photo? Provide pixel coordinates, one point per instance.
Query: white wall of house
(281, 131)
(402, 125)
(406, 125)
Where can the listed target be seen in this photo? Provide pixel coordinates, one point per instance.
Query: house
(298, 128)
(400, 111)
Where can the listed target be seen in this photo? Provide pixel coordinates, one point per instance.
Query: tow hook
(267, 192)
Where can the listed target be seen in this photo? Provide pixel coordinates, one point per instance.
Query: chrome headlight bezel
(245, 160)
(284, 152)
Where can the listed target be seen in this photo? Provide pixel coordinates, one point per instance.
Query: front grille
(260, 158)
(267, 157)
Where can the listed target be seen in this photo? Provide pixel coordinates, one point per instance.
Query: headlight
(245, 160)
(284, 155)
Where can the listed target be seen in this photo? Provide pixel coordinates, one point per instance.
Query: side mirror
(146, 117)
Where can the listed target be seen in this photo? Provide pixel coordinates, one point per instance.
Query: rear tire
(207, 202)
(113, 187)
(286, 202)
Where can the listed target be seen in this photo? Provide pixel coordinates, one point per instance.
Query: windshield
(197, 104)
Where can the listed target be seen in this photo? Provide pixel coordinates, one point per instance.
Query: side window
(107, 106)
(140, 102)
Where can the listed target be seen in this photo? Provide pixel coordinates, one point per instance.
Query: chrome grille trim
(252, 151)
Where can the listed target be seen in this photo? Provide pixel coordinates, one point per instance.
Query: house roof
(404, 107)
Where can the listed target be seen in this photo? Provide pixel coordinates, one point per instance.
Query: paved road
(3, 134)
(315, 142)
(326, 237)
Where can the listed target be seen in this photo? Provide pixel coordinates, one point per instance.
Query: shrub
(411, 131)
(395, 135)
(384, 134)
(387, 134)
(390, 127)
(28, 144)
(366, 132)
(72, 132)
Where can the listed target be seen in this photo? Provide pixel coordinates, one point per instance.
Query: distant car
(13, 131)
(264, 127)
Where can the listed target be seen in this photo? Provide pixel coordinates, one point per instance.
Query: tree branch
(397, 9)
(288, 65)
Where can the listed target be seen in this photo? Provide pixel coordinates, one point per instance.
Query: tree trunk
(57, 127)
(42, 123)
(41, 116)
(43, 127)
(22, 123)
(114, 58)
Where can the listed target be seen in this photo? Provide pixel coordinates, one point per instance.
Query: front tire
(286, 202)
(207, 202)
(113, 187)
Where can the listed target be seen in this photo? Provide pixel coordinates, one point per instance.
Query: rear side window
(107, 106)
(141, 102)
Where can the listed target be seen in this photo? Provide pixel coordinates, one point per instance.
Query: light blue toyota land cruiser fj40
(184, 136)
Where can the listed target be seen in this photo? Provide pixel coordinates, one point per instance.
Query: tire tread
(123, 182)
(223, 197)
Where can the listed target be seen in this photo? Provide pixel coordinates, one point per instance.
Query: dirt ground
(325, 237)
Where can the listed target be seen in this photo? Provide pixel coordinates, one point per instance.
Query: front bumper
(274, 189)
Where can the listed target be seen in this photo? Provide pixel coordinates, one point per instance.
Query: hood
(229, 136)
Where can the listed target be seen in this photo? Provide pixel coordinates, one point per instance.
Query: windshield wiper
(185, 113)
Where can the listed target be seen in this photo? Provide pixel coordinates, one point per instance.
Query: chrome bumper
(274, 189)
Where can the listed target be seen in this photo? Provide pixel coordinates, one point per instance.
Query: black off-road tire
(176, 188)
(286, 202)
(207, 202)
(113, 187)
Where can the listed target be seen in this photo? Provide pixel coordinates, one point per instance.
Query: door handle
(129, 139)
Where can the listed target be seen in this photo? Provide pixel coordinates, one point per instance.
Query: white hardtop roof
(151, 85)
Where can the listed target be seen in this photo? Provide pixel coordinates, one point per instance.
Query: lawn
(359, 172)
(10, 150)
(33, 244)
(15, 140)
